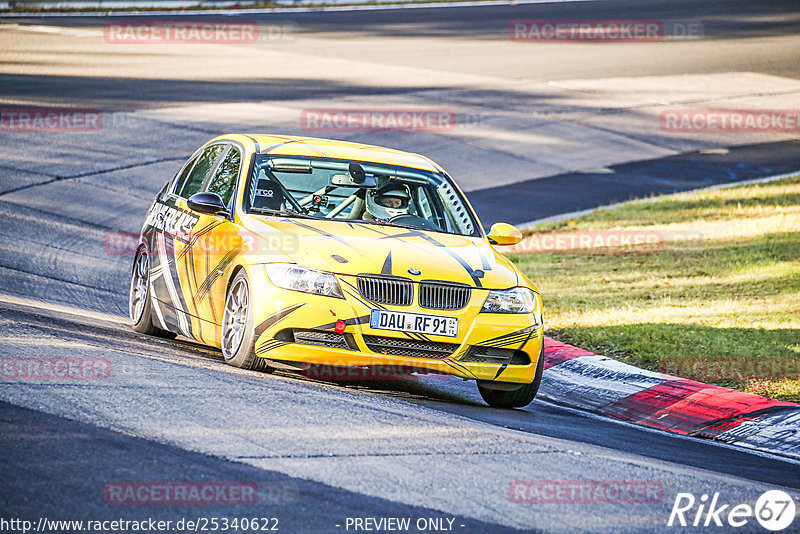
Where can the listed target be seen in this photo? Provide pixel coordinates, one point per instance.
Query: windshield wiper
(290, 214)
(388, 223)
(280, 213)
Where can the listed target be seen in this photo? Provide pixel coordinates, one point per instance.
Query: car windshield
(357, 192)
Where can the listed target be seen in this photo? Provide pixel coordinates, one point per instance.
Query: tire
(237, 339)
(516, 398)
(140, 306)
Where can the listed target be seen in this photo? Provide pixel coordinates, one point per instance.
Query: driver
(387, 202)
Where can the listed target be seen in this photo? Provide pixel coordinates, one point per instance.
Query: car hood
(358, 248)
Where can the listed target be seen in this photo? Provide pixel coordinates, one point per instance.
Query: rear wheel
(140, 305)
(238, 335)
(512, 398)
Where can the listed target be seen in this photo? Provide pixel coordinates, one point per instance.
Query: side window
(197, 176)
(185, 173)
(431, 209)
(224, 181)
(424, 203)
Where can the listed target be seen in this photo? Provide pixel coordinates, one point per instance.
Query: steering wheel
(414, 220)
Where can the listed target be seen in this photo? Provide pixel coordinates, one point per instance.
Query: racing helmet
(389, 201)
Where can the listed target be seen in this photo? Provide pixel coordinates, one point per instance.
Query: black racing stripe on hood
(456, 257)
(429, 239)
(324, 233)
(387, 265)
(372, 227)
(485, 265)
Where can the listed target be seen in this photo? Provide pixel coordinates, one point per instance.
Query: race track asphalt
(321, 452)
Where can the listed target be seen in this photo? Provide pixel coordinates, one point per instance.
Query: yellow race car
(290, 252)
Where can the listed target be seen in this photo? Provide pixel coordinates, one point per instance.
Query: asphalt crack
(59, 178)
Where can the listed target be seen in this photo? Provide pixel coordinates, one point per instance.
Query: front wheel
(238, 335)
(513, 398)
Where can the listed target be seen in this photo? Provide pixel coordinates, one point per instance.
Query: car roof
(286, 145)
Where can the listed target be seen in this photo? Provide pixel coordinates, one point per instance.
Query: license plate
(416, 323)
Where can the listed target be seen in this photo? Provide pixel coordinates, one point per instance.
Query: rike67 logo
(774, 510)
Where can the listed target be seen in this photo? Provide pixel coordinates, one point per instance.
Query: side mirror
(504, 234)
(210, 203)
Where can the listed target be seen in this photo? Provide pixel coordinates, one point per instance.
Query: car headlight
(299, 278)
(514, 300)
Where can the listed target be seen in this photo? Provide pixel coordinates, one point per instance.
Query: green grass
(727, 293)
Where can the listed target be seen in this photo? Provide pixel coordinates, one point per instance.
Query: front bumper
(302, 328)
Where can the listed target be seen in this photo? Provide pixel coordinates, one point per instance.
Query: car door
(216, 246)
(173, 274)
